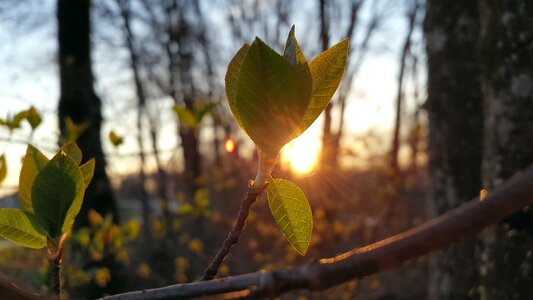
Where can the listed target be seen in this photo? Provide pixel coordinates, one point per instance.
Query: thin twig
(55, 253)
(456, 225)
(233, 237)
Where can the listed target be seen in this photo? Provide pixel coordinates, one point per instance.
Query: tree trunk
(79, 102)
(455, 132)
(506, 263)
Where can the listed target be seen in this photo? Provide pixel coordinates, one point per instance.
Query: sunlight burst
(302, 153)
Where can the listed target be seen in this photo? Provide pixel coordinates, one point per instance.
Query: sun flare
(302, 153)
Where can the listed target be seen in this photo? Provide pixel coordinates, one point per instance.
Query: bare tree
(79, 102)
(357, 53)
(411, 16)
(125, 13)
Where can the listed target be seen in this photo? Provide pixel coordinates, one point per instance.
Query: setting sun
(302, 153)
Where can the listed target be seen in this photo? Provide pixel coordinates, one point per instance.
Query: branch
(456, 225)
(233, 237)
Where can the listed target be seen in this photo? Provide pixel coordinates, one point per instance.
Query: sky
(29, 76)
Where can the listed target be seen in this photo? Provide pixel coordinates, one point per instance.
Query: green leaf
(17, 226)
(73, 151)
(3, 168)
(292, 51)
(186, 117)
(34, 161)
(33, 117)
(87, 171)
(271, 95)
(292, 213)
(232, 79)
(57, 194)
(327, 70)
(115, 139)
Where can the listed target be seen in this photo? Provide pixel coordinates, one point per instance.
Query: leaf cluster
(51, 193)
(275, 98)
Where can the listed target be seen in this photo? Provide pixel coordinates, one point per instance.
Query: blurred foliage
(350, 208)
(115, 139)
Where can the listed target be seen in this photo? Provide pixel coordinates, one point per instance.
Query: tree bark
(455, 132)
(505, 256)
(79, 102)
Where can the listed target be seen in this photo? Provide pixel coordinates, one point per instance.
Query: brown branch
(456, 225)
(233, 237)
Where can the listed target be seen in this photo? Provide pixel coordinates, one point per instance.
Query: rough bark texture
(79, 102)
(506, 263)
(455, 132)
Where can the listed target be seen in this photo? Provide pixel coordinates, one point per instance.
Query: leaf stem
(233, 237)
(267, 162)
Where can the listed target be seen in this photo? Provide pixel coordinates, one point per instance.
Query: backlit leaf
(271, 96)
(292, 212)
(73, 151)
(87, 171)
(34, 161)
(186, 117)
(57, 194)
(232, 79)
(16, 225)
(292, 51)
(327, 70)
(3, 168)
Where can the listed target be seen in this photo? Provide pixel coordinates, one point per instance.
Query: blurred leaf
(57, 194)
(94, 217)
(17, 119)
(73, 151)
(72, 130)
(186, 117)
(3, 168)
(16, 225)
(115, 139)
(327, 70)
(34, 161)
(270, 97)
(202, 112)
(33, 117)
(291, 210)
(10, 123)
(87, 170)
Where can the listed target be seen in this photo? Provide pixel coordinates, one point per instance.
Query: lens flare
(229, 145)
(302, 153)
